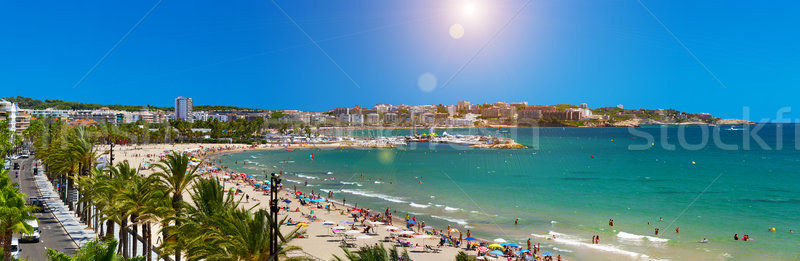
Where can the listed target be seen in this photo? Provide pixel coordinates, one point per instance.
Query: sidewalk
(77, 231)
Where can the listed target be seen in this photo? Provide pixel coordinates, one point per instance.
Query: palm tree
(177, 176)
(136, 199)
(376, 253)
(13, 213)
(217, 228)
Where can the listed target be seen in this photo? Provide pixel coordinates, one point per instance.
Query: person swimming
(703, 241)
(735, 236)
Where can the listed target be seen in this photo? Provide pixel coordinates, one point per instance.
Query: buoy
(612, 139)
(592, 156)
(692, 162)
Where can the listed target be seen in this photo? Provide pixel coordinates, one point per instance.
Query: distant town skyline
(687, 55)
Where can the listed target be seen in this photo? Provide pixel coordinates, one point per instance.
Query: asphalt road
(52, 235)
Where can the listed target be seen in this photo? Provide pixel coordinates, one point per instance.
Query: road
(52, 235)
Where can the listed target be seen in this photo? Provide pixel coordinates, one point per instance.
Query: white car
(34, 236)
(15, 248)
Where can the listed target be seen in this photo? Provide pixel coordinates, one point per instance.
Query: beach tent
(497, 253)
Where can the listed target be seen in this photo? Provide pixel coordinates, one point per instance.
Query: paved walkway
(76, 230)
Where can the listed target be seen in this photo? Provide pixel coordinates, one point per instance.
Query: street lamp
(275, 180)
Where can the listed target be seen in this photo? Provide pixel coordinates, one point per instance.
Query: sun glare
(469, 8)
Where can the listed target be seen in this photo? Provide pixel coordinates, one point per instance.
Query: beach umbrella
(329, 223)
(453, 230)
(509, 245)
(352, 232)
(411, 222)
(406, 232)
(497, 253)
(318, 200)
(496, 246)
(427, 227)
(258, 184)
(376, 223)
(363, 237)
(301, 224)
(470, 239)
(423, 236)
(356, 209)
(298, 192)
(339, 228)
(547, 254)
(389, 228)
(287, 201)
(523, 251)
(499, 240)
(482, 249)
(347, 222)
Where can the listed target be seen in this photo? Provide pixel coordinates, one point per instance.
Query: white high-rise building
(183, 109)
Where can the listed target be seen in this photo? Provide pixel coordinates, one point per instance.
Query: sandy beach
(321, 240)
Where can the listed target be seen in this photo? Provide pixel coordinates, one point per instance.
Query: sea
(712, 182)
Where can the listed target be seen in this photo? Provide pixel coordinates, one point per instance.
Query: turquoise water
(572, 181)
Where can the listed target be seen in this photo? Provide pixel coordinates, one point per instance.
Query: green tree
(375, 253)
(177, 176)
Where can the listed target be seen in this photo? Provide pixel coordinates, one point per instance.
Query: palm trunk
(149, 245)
(6, 238)
(109, 229)
(135, 235)
(176, 200)
(124, 237)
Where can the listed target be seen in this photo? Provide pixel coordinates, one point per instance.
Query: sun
(469, 9)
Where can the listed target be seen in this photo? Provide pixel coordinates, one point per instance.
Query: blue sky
(249, 54)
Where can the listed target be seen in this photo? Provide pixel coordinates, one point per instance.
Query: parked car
(34, 235)
(36, 202)
(15, 248)
(16, 166)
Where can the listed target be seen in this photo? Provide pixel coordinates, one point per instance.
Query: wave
(372, 195)
(306, 176)
(294, 181)
(252, 162)
(253, 157)
(418, 205)
(634, 237)
(329, 173)
(451, 209)
(350, 183)
(454, 220)
(575, 241)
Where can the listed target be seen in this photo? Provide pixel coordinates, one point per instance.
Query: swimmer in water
(703, 241)
(516, 221)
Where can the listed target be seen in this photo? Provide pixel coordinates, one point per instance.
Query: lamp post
(275, 180)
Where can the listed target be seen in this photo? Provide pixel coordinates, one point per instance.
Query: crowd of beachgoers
(326, 226)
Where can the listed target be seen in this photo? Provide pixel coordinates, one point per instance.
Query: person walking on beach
(529, 241)
(593, 238)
